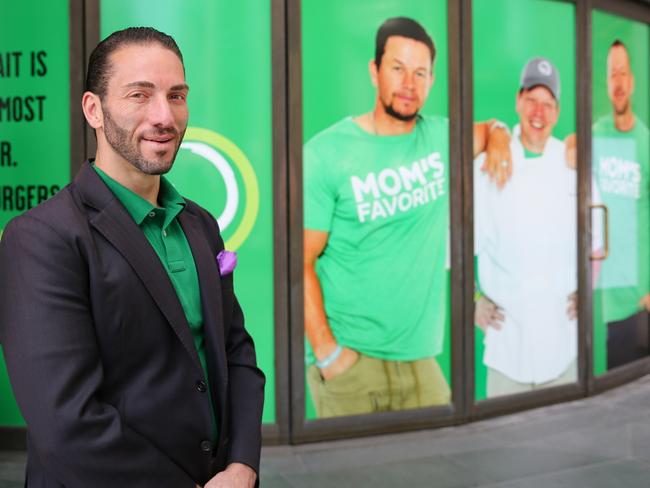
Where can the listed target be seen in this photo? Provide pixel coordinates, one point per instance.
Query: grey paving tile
(11, 484)
(13, 457)
(11, 472)
(613, 442)
(438, 472)
(430, 472)
(348, 458)
(394, 449)
(637, 395)
(620, 474)
(550, 421)
(639, 434)
(510, 463)
(344, 479)
(280, 463)
(274, 481)
(372, 451)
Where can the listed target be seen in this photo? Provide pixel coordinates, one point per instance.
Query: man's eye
(137, 95)
(178, 96)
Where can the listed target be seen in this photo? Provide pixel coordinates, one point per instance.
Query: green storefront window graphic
(620, 168)
(236, 205)
(34, 122)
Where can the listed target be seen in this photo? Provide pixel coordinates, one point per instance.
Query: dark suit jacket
(100, 355)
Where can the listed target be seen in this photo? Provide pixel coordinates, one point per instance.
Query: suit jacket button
(201, 387)
(206, 446)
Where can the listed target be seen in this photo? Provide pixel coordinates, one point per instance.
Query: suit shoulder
(196, 209)
(56, 212)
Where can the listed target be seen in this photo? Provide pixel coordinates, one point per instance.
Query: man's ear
(92, 108)
(373, 69)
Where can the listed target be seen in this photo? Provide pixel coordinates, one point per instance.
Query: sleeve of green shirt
(318, 193)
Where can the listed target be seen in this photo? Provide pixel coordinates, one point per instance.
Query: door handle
(603, 256)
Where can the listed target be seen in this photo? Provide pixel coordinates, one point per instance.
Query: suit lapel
(213, 320)
(114, 223)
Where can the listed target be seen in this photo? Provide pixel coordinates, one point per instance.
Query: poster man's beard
(395, 114)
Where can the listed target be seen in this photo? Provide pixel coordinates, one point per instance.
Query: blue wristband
(331, 358)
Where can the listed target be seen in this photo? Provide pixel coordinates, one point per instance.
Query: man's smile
(537, 124)
(159, 140)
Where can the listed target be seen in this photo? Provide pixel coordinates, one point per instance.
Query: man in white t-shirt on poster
(526, 249)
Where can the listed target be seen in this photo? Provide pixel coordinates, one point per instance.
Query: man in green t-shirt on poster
(376, 235)
(621, 170)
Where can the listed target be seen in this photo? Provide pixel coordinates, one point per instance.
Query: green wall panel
(34, 121)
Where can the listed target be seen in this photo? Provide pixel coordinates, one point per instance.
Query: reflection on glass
(620, 166)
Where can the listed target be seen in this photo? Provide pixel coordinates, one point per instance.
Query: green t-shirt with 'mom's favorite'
(384, 202)
(621, 170)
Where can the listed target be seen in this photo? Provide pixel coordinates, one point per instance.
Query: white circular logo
(219, 162)
(544, 67)
(242, 196)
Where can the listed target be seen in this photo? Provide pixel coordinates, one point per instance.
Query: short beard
(404, 118)
(623, 110)
(118, 139)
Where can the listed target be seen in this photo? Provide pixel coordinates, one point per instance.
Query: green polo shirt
(163, 231)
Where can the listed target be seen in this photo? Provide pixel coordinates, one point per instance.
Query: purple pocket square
(227, 262)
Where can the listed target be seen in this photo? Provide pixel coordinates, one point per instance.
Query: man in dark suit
(123, 339)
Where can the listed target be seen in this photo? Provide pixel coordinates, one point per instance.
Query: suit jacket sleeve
(245, 380)
(53, 360)
(246, 394)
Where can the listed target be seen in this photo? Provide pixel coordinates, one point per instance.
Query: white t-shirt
(526, 244)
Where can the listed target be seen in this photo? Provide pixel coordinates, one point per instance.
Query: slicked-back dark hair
(404, 27)
(99, 66)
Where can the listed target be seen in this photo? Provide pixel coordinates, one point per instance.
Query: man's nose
(408, 80)
(538, 109)
(160, 112)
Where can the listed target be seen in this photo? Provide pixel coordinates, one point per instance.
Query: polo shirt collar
(139, 208)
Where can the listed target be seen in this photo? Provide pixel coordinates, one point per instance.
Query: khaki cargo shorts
(376, 385)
